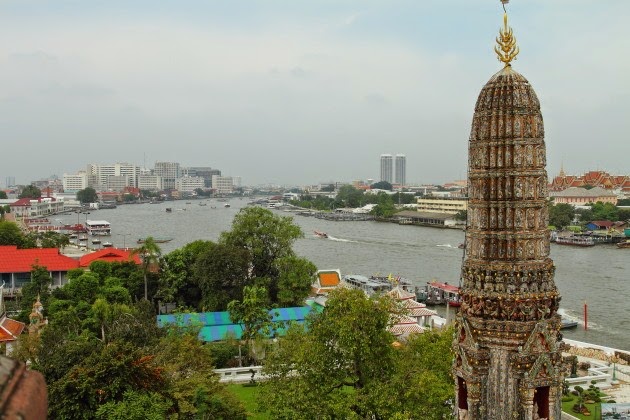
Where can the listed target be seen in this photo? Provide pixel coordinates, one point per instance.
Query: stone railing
(240, 374)
(600, 372)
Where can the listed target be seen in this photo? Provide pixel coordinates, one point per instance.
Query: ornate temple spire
(508, 350)
(506, 47)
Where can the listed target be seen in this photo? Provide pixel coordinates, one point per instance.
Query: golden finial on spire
(506, 50)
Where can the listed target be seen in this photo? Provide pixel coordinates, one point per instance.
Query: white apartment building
(401, 170)
(26, 207)
(118, 182)
(222, 184)
(442, 205)
(169, 171)
(189, 183)
(150, 182)
(103, 172)
(387, 168)
(75, 182)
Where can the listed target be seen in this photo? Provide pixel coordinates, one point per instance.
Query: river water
(599, 275)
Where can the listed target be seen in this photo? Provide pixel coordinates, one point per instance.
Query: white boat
(575, 240)
(96, 241)
(98, 228)
(107, 244)
(319, 234)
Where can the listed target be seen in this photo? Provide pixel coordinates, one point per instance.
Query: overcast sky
(297, 92)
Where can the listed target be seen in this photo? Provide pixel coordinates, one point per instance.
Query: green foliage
(30, 191)
(266, 237)
(38, 286)
(101, 269)
(253, 314)
(623, 202)
(223, 353)
(135, 406)
(295, 278)
(328, 188)
(3, 195)
(311, 373)
(386, 209)
(10, 234)
(349, 196)
(83, 288)
(604, 211)
(221, 272)
(382, 185)
(561, 215)
(150, 253)
(87, 195)
(102, 377)
(187, 368)
(178, 282)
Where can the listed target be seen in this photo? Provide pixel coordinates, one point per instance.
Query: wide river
(599, 276)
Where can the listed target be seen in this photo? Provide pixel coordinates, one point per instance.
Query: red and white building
(35, 207)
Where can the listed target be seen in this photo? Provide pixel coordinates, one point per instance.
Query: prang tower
(507, 362)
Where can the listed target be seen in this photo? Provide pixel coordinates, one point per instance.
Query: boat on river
(319, 234)
(575, 240)
(96, 241)
(98, 227)
(625, 244)
(567, 323)
(156, 240)
(107, 244)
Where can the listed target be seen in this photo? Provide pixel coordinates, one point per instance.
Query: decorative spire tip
(506, 47)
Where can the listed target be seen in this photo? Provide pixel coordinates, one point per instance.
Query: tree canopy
(30, 191)
(343, 365)
(561, 215)
(87, 195)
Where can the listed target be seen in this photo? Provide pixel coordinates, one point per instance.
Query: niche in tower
(462, 394)
(541, 402)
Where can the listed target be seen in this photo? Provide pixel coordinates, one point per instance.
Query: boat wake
(447, 246)
(332, 238)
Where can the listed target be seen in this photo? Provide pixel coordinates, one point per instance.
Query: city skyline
(262, 89)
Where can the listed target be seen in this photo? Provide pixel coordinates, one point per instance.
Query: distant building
(620, 183)
(432, 204)
(169, 171)
(9, 181)
(75, 182)
(222, 184)
(189, 183)
(118, 182)
(401, 170)
(35, 207)
(150, 182)
(581, 196)
(100, 175)
(204, 172)
(387, 168)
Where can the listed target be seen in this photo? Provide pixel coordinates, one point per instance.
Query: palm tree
(150, 253)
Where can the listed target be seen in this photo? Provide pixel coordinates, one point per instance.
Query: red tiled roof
(10, 329)
(13, 260)
(109, 255)
(26, 202)
(444, 286)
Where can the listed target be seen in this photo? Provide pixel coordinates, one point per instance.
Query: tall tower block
(507, 362)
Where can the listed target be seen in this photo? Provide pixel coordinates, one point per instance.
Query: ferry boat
(575, 240)
(98, 228)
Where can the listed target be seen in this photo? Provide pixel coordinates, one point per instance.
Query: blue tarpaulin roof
(216, 326)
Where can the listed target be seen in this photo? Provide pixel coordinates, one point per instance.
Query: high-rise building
(9, 181)
(508, 349)
(222, 184)
(401, 170)
(169, 171)
(75, 182)
(387, 168)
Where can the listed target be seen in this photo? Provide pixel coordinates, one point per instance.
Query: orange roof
(328, 278)
(109, 255)
(10, 329)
